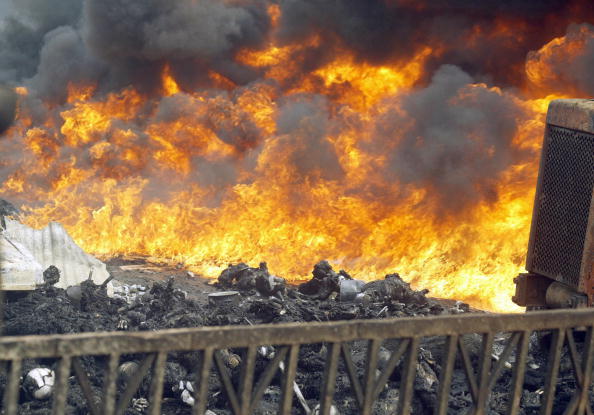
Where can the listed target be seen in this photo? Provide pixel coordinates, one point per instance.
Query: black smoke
(463, 33)
(116, 43)
(457, 141)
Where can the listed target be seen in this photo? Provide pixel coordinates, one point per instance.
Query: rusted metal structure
(560, 257)
(406, 333)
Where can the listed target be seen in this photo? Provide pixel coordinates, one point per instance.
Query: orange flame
(111, 199)
(170, 86)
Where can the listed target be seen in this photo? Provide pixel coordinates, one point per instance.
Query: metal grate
(562, 204)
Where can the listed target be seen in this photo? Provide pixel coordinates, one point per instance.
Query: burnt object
(393, 288)
(350, 290)
(39, 383)
(268, 285)
(51, 275)
(242, 276)
(531, 290)
(223, 298)
(324, 282)
(561, 243)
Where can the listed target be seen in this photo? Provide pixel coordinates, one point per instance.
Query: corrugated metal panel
(18, 269)
(53, 246)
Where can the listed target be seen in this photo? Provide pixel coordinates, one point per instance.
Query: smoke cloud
(446, 134)
(303, 124)
(117, 43)
(472, 35)
(453, 138)
(565, 65)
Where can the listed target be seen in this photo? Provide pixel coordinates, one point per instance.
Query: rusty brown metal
(405, 337)
(587, 271)
(531, 290)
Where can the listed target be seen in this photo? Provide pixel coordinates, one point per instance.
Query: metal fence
(406, 333)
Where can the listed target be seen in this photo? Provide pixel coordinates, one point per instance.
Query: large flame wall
(393, 137)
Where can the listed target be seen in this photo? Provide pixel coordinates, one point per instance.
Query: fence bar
(247, 379)
(266, 378)
(584, 401)
(134, 383)
(109, 384)
(390, 366)
(445, 378)
(156, 393)
(552, 370)
(408, 377)
(289, 380)
(11, 394)
(518, 374)
(370, 378)
(575, 360)
(327, 393)
(468, 369)
(61, 386)
(202, 397)
(227, 384)
(347, 357)
(189, 339)
(484, 369)
(502, 358)
(335, 335)
(85, 385)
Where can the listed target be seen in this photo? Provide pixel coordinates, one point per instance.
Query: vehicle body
(560, 256)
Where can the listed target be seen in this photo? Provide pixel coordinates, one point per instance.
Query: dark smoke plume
(117, 42)
(471, 35)
(567, 72)
(428, 135)
(457, 140)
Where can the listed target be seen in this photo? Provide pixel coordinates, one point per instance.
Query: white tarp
(25, 252)
(18, 269)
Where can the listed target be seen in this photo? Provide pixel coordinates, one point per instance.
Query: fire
(170, 86)
(544, 67)
(295, 167)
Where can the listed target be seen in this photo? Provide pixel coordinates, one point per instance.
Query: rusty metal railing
(406, 333)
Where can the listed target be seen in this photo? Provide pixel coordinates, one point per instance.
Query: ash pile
(249, 295)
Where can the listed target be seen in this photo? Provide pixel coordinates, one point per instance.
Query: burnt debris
(248, 296)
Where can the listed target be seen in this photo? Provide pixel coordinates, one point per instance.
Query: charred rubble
(249, 296)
